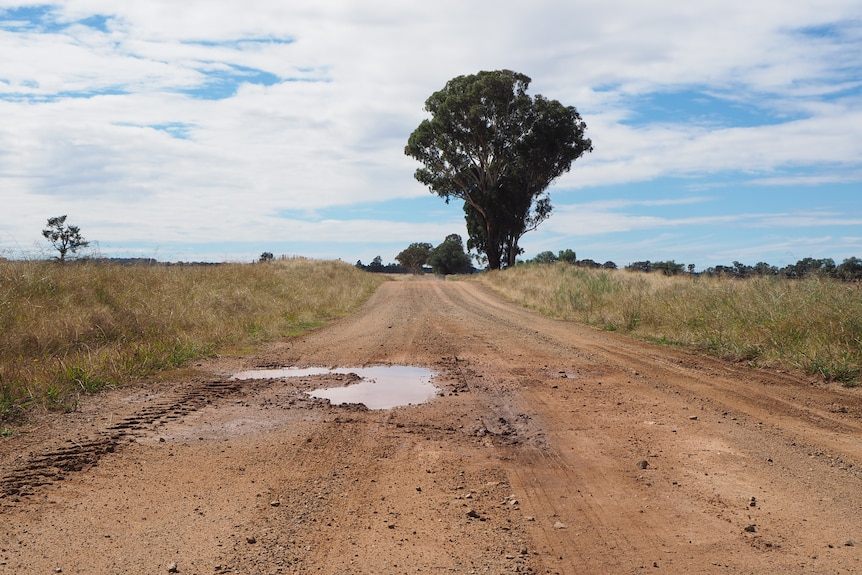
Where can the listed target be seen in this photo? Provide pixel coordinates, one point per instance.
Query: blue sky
(723, 130)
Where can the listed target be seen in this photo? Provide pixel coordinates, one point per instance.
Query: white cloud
(601, 217)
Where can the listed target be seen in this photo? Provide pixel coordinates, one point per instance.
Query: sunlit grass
(76, 328)
(812, 325)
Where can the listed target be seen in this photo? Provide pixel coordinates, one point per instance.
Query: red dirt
(552, 448)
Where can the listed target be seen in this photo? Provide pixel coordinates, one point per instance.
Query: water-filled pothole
(380, 387)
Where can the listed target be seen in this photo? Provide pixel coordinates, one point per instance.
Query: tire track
(46, 467)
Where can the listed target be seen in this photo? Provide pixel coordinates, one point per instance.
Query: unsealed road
(552, 448)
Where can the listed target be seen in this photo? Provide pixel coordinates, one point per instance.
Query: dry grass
(814, 325)
(74, 328)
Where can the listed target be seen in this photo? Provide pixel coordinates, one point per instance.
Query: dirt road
(551, 448)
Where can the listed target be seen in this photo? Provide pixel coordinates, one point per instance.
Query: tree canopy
(64, 238)
(449, 257)
(496, 148)
(413, 257)
(546, 257)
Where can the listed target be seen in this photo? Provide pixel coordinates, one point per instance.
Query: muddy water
(381, 387)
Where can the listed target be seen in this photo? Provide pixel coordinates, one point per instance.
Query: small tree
(450, 257)
(65, 239)
(546, 257)
(414, 256)
(568, 255)
(850, 269)
(645, 266)
(669, 268)
(376, 265)
(266, 257)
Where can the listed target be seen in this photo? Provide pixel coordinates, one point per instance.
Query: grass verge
(76, 328)
(813, 325)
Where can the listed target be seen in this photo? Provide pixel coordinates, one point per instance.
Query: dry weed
(813, 325)
(74, 328)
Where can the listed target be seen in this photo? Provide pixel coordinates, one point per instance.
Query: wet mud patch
(275, 398)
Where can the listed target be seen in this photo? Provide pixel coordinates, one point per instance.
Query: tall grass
(75, 328)
(813, 325)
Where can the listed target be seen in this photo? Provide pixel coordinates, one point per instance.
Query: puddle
(381, 387)
(276, 373)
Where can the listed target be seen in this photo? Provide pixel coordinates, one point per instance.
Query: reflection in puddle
(382, 387)
(276, 373)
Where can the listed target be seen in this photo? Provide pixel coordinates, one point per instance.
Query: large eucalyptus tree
(496, 148)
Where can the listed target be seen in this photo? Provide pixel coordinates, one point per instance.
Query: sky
(216, 130)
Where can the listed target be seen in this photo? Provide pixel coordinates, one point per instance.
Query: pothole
(380, 387)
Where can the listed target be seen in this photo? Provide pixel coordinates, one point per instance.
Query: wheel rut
(46, 467)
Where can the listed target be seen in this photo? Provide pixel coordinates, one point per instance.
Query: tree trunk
(513, 253)
(492, 249)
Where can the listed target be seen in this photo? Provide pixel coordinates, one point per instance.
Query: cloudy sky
(218, 129)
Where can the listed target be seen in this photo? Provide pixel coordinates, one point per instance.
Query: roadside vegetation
(813, 325)
(73, 328)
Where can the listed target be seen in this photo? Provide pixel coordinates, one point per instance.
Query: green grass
(813, 325)
(72, 329)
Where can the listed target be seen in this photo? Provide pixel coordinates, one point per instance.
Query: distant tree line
(848, 270)
(377, 266)
(143, 262)
(669, 268)
(569, 256)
